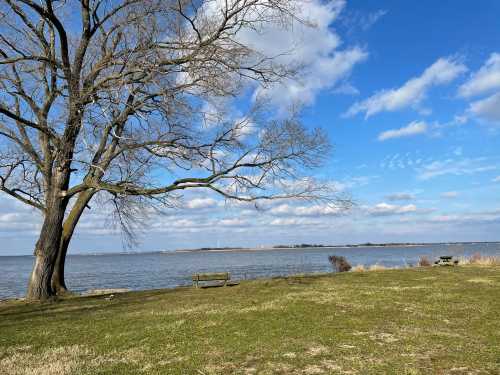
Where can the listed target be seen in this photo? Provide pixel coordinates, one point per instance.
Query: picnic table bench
(446, 260)
(211, 280)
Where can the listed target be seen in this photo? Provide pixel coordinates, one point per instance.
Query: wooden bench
(216, 279)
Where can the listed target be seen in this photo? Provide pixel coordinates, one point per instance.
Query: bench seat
(213, 280)
(212, 284)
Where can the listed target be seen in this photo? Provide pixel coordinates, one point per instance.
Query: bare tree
(108, 97)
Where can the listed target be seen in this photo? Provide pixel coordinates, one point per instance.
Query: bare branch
(120, 103)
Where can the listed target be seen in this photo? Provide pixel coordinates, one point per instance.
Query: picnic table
(446, 260)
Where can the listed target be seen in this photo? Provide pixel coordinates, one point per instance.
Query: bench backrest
(211, 276)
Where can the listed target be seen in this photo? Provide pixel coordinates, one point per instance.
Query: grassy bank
(415, 321)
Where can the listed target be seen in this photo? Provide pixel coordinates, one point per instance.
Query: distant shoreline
(241, 249)
(269, 248)
(235, 250)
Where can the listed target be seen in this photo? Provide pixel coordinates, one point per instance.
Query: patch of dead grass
(61, 360)
(313, 370)
(480, 260)
(330, 365)
(358, 268)
(482, 280)
(384, 337)
(378, 267)
(402, 288)
(65, 360)
(317, 350)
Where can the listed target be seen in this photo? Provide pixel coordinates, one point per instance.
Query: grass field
(435, 320)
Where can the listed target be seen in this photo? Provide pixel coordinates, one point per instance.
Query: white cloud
(484, 80)
(496, 179)
(315, 48)
(385, 209)
(371, 19)
(324, 73)
(450, 194)
(401, 197)
(214, 112)
(468, 217)
(413, 128)
(307, 42)
(314, 210)
(354, 182)
(245, 127)
(183, 223)
(454, 167)
(487, 109)
(354, 20)
(444, 218)
(20, 221)
(317, 210)
(201, 203)
(443, 71)
(235, 222)
(346, 89)
(284, 222)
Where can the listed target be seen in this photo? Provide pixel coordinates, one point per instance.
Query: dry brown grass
(60, 361)
(65, 360)
(482, 280)
(358, 268)
(317, 350)
(424, 262)
(480, 260)
(475, 259)
(373, 267)
(378, 267)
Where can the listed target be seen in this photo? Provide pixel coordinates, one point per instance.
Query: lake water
(167, 270)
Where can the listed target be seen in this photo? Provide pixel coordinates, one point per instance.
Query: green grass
(414, 321)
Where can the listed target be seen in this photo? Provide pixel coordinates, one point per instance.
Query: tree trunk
(46, 249)
(39, 288)
(58, 280)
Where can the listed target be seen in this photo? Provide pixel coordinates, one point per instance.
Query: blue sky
(409, 93)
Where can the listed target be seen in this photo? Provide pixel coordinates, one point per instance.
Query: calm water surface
(166, 270)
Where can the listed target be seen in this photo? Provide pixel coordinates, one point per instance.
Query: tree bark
(46, 249)
(39, 288)
(58, 279)
(47, 246)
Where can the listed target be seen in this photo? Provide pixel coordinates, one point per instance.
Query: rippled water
(166, 270)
